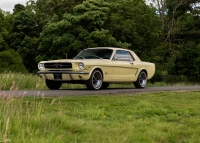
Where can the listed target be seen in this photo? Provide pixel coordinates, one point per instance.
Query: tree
(23, 38)
(28, 52)
(28, 22)
(180, 28)
(45, 9)
(3, 32)
(82, 29)
(134, 22)
(18, 8)
(11, 61)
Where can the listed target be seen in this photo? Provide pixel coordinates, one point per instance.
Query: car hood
(75, 60)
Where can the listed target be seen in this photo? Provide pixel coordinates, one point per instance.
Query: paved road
(112, 91)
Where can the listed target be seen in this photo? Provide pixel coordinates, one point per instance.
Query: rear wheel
(105, 85)
(95, 80)
(141, 80)
(53, 84)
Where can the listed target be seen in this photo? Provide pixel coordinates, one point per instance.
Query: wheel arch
(98, 68)
(143, 69)
(94, 68)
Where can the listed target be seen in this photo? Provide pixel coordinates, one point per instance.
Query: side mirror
(115, 58)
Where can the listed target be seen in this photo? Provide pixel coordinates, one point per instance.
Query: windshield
(95, 54)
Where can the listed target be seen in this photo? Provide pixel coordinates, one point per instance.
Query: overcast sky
(8, 5)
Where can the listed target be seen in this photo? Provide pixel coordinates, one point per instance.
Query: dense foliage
(165, 32)
(11, 61)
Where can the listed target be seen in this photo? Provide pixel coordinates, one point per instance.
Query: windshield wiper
(82, 57)
(98, 57)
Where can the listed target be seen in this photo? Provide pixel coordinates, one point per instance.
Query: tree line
(165, 32)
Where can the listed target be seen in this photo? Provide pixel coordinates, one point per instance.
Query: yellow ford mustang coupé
(97, 68)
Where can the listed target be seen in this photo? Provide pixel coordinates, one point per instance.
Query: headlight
(81, 66)
(41, 66)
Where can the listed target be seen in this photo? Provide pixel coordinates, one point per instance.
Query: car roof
(113, 48)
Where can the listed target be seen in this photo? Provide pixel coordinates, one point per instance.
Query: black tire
(141, 80)
(105, 85)
(53, 84)
(95, 80)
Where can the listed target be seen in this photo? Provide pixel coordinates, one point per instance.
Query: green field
(165, 117)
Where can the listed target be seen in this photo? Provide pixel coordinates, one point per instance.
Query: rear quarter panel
(149, 67)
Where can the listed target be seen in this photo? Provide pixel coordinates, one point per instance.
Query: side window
(121, 55)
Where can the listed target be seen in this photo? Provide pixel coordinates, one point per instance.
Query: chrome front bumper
(64, 75)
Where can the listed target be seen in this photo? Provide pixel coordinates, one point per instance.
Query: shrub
(11, 61)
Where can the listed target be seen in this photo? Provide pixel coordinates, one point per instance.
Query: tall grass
(27, 81)
(21, 81)
(165, 117)
(32, 81)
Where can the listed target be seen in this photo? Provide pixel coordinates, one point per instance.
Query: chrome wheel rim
(97, 80)
(143, 79)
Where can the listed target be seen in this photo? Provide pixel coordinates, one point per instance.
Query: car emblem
(56, 65)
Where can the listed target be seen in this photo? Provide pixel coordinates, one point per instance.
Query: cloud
(8, 5)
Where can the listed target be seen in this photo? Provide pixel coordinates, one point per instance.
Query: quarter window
(121, 55)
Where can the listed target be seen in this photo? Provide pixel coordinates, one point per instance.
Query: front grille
(58, 65)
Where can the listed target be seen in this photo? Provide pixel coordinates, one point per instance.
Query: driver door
(123, 67)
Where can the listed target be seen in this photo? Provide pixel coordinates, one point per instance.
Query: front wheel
(53, 84)
(141, 80)
(95, 80)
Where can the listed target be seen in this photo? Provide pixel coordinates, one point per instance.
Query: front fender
(92, 68)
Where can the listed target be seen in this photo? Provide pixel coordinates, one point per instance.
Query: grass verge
(165, 117)
(31, 81)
